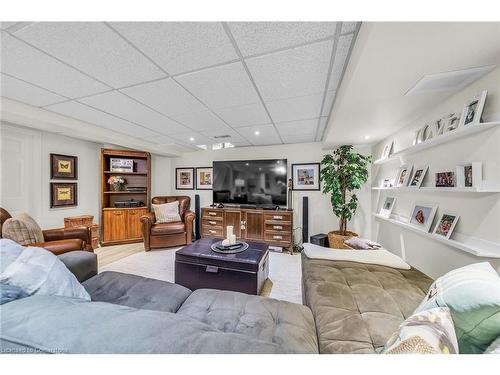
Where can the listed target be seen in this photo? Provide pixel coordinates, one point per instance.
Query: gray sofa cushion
(136, 291)
(64, 325)
(289, 325)
(358, 306)
(82, 264)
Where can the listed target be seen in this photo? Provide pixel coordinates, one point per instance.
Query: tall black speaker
(197, 233)
(305, 219)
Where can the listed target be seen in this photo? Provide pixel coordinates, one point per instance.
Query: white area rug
(284, 270)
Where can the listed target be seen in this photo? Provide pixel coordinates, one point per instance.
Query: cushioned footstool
(83, 264)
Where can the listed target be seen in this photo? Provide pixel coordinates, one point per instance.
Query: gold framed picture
(63, 167)
(204, 178)
(63, 194)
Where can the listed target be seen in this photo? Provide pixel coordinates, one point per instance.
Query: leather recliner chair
(60, 240)
(158, 235)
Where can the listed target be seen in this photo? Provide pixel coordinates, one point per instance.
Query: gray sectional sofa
(356, 306)
(132, 314)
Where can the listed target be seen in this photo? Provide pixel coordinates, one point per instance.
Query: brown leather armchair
(158, 235)
(61, 240)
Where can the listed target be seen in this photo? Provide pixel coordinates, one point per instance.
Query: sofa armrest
(82, 264)
(83, 233)
(189, 217)
(147, 221)
(61, 246)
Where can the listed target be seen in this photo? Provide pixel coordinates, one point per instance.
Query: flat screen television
(260, 183)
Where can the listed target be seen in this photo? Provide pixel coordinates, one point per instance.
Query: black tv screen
(261, 183)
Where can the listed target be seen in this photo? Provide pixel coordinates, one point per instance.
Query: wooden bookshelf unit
(122, 224)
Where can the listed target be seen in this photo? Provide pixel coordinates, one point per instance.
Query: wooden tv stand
(271, 226)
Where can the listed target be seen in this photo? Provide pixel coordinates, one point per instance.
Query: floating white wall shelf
(464, 131)
(430, 189)
(468, 244)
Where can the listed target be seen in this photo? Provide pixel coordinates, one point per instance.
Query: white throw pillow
(38, 272)
(167, 212)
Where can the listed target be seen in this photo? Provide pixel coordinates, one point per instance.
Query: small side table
(84, 221)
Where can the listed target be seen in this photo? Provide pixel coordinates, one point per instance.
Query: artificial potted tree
(343, 172)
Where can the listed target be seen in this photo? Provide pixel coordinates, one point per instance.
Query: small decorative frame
(445, 225)
(388, 149)
(63, 194)
(184, 178)
(305, 177)
(204, 178)
(63, 167)
(418, 176)
(422, 215)
(470, 175)
(387, 207)
(445, 179)
(403, 175)
(473, 110)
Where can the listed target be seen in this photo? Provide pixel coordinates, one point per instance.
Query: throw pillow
(472, 293)
(362, 244)
(427, 332)
(167, 212)
(38, 272)
(494, 348)
(32, 225)
(19, 231)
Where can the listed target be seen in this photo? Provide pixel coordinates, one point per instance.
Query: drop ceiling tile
(13, 88)
(330, 96)
(6, 25)
(200, 121)
(180, 46)
(244, 115)
(219, 136)
(301, 127)
(303, 138)
(122, 106)
(259, 37)
(321, 127)
(166, 96)
(348, 27)
(339, 61)
(159, 139)
(27, 63)
(185, 139)
(93, 116)
(93, 48)
(221, 87)
(295, 72)
(299, 108)
(267, 135)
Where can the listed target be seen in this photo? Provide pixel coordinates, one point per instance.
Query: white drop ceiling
(169, 82)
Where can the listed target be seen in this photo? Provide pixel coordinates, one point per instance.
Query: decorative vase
(117, 187)
(336, 239)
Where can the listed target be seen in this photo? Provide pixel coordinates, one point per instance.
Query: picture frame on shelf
(184, 178)
(446, 224)
(473, 110)
(387, 150)
(418, 176)
(63, 194)
(469, 175)
(422, 215)
(387, 207)
(444, 179)
(63, 167)
(204, 178)
(121, 165)
(305, 177)
(403, 175)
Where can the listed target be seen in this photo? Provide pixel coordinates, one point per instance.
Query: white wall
(479, 213)
(26, 174)
(321, 218)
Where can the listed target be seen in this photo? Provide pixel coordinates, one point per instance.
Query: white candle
(229, 231)
(232, 239)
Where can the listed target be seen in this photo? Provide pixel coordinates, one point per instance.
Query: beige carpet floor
(284, 280)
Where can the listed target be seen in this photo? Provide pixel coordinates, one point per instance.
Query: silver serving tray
(218, 248)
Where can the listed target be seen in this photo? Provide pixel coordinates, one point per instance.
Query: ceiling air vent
(449, 81)
(222, 136)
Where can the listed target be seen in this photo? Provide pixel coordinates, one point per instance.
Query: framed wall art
(403, 175)
(418, 176)
(63, 167)
(387, 207)
(445, 225)
(422, 215)
(306, 176)
(63, 194)
(473, 110)
(184, 178)
(204, 178)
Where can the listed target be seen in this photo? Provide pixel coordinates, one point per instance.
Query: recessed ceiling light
(257, 132)
(367, 137)
(191, 139)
